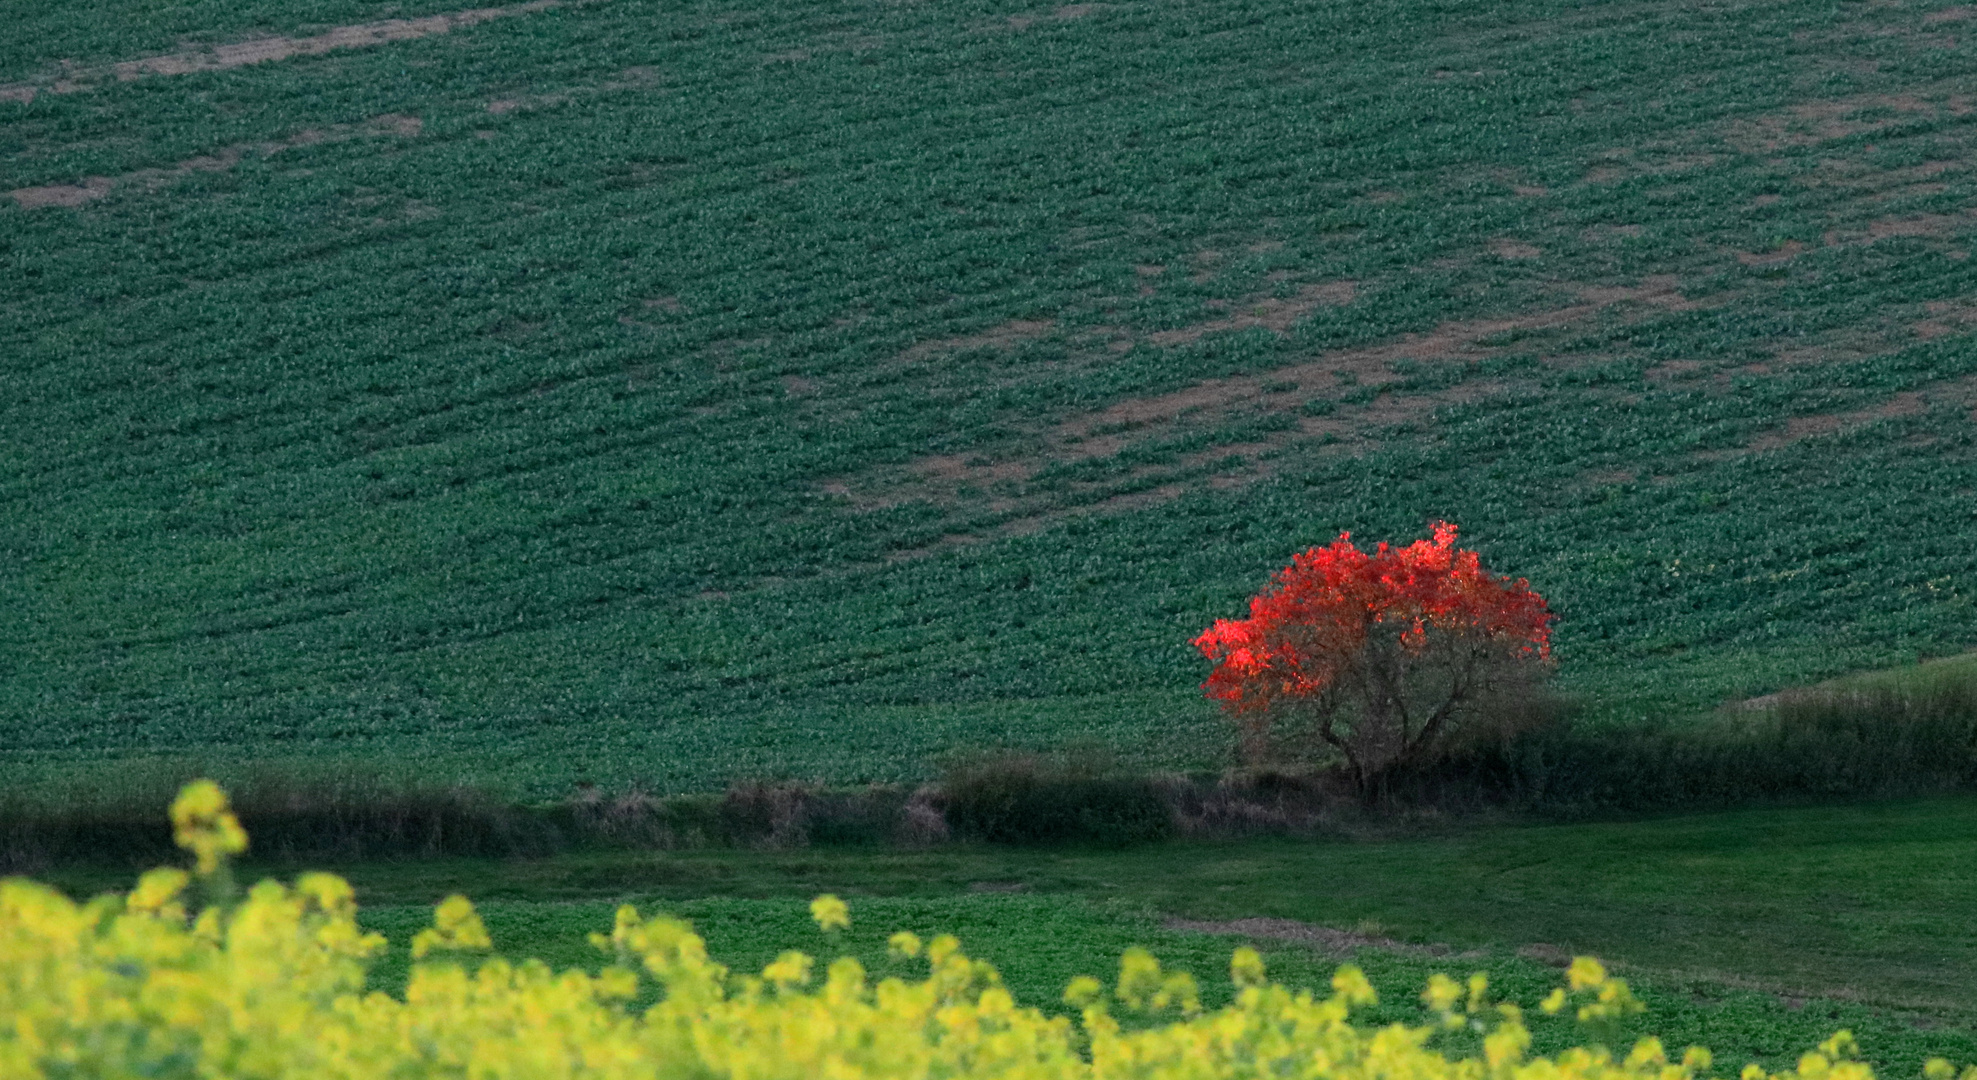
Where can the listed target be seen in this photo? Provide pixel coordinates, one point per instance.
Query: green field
(670, 394)
(1756, 933)
(659, 396)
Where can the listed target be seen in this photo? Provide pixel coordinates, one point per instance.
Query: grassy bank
(1755, 932)
(1863, 901)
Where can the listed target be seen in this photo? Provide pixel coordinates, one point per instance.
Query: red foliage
(1403, 635)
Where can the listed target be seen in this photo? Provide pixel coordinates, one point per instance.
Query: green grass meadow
(1756, 933)
(670, 394)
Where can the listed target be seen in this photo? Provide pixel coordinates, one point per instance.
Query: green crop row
(719, 392)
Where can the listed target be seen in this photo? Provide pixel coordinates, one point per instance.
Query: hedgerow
(271, 985)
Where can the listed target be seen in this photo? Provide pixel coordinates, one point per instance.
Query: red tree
(1387, 654)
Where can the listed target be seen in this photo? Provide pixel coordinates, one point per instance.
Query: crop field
(612, 391)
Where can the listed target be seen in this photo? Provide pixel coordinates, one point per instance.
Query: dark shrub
(776, 815)
(1023, 799)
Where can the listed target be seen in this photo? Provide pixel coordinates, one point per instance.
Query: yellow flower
(1083, 991)
(830, 912)
(455, 926)
(157, 893)
(1246, 968)
(1647, 1051)
(789, 969)
(1585, 973)
(1350, 984)
(1841, 1046)
(203, 824)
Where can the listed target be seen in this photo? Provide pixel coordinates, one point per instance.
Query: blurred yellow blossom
(830, 912)
(274, 987)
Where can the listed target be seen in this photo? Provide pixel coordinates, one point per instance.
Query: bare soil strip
(1006, 336)
(1106, 432)
(262, 50)
(1814, 122)
(1271, 313)
(1324, 939)
(1806, 427)
(997, 483)
(95, 187)
(1958, 392)
(1947, 317)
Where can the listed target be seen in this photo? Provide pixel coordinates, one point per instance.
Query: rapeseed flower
(273, 987)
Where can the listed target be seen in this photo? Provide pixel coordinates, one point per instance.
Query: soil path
(96, 187)
(264, 49)
(1325, 939)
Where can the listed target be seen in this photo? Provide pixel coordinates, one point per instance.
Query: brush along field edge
(270, 985)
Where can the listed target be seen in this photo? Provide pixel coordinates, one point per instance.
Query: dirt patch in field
(1518, 184)
(1324, 939)
(266, 49)
(1946, 317)
(96, 187)
(1627, 163)
(1919, 226)
(1219, 433)
(1546, 954)
(1789, 250)
(1085, 438)
(1941, 225)
(1275, 314)
(632, 78)
(1814, 122)
(1004, 337)
(1910, 403)
(1867, 180)
(1673, 370)
(90, 190)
